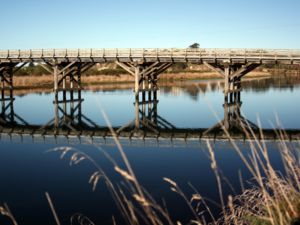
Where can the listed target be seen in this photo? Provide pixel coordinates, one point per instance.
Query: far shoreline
(46, 81)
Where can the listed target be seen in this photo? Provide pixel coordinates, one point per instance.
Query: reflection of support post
(146, 118)
(233, 119)
(146, 115)
(68, 117)
(8, 117)
(67, 113)
(232, 73)
(7, 108)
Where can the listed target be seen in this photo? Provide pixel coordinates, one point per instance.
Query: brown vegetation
(46, 81)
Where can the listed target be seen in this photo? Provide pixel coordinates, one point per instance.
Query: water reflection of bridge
(69, 121)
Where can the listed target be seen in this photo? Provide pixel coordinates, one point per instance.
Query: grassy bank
(46, 80)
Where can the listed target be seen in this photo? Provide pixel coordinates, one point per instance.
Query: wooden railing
(150, 52)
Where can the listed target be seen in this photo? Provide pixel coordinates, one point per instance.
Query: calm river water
(28, 169)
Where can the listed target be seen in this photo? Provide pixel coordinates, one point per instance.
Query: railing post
(143, 53)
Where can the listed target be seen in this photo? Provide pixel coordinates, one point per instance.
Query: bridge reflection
(68, 116)
(69, 122)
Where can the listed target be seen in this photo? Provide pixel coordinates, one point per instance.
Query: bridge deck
(264, 56)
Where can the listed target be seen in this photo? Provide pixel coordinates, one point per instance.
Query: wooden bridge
(145, 65)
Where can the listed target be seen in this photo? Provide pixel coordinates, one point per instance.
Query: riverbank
(46, 81)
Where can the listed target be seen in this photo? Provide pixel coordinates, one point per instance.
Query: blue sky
(149, 23)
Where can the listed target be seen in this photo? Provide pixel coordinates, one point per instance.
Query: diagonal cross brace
(216, 69)
(126, 67)
(244, 70)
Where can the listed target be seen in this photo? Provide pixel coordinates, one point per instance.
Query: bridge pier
(232, 74)
(67, 76)
(146, 77)
(7, 71)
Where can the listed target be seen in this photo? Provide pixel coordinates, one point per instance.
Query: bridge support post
(232, 74)
(67, 75)
(7, 71)
(145, 77)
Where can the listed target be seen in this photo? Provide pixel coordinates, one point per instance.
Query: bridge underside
(146, 77)
(67, 76)
(232, 74)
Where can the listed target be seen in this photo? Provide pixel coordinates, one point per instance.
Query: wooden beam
(149, 69)
(66, 67)
(86, 67)
(244, 70)
(163, 67)
(216, 69)
(47, 68)
(125, 67)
